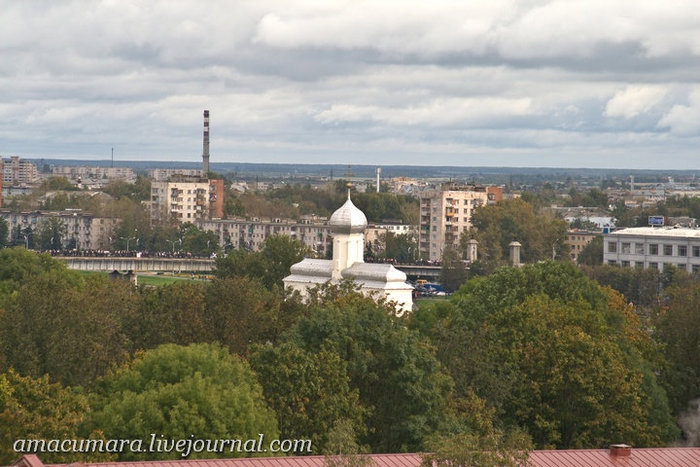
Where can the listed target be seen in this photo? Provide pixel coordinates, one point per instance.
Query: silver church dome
(348, 219)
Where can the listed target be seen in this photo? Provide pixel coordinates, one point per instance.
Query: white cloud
(684, 120)
(319, 77)
(634, 100)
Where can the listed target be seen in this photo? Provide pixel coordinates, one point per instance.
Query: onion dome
(348, 219)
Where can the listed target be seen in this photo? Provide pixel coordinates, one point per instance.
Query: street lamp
(172, 242)
(127, 241)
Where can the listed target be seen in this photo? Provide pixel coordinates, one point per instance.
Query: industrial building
(653, 247)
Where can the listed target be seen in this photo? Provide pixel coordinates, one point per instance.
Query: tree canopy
(178, 391)
(496, 226)
(555, 354)
(398, 378)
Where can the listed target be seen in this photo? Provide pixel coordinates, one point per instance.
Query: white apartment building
(252, 233)
(16, 172)
(445, 213)
(653, 247)
(86, 173)
(181, 201)
(82, 229)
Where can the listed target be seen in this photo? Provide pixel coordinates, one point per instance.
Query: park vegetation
(541, 356)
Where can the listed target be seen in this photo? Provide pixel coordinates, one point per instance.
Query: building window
(612, 247)
(625, 264)
(612, 262)
(626, 249)
(682, 250)
(696, 251)
(668, 250)
(653, 249)
(696, 267)
(639, 248)
(654, 265)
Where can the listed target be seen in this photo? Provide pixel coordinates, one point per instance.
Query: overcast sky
(590, 83)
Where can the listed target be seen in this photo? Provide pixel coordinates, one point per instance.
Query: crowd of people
(125, 254)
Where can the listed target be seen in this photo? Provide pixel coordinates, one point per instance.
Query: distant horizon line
(142, 162)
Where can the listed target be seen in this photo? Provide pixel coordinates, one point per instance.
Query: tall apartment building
(16, 172)
(653, 247)
(446, 212)
(82, 229)
(252, 233)
(181, 199)
(187, 199)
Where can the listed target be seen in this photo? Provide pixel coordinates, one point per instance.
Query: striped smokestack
(205, 150)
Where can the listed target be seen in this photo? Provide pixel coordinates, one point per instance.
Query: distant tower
(632, 185)
(205, 150)
(379, 171)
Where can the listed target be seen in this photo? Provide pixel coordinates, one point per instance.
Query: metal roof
(638, 457)
(681, 232)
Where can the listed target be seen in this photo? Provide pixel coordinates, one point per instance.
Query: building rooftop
(637, 457)
(676, 232)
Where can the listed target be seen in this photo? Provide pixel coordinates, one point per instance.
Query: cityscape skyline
(520, 84)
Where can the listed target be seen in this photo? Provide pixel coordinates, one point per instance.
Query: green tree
(59, 320)
(342, 448)
(52, 234)
(677, 326)
(401, 247)
(398, 378)
(4, 233)
(19, 266)
(270, 265)
(176, 391)
(198, 242)
(308, 391)
(592, 254)
(36, 409)
(495, 449)
(235, 312)
(557, 355)
(454, 271)
(496, 226)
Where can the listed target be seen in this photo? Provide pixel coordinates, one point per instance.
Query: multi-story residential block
(162, 175)
(653, 247)
(445, 213)
(16, 172)
(252, 233)
(577, 241)
(82, 230)
(216, 198)
(97, 174)
(182, 199)
(376, 232)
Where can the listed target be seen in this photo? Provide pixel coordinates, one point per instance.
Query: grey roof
(348, 219)
(312, 267)
(677, 232)
(378, 276)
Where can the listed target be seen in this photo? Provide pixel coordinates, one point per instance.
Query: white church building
(348, 224)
